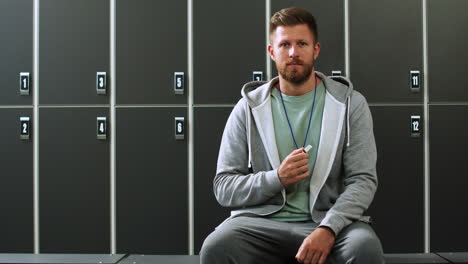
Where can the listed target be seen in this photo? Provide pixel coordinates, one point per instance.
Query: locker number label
(415, 81)
(25, 128)
(101, 127)
(336, 73)
(179, 127)
(101, 83)
(415, 126)
(258, 76)
(24, 83)
(179, 83)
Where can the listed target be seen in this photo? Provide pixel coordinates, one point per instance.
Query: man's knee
(369, 250)
(358, 244)
(220, 246)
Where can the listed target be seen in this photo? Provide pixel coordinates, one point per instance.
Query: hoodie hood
(341, 88)
(338, 86)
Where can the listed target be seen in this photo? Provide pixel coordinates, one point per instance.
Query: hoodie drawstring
(347, 120)
(247, 115)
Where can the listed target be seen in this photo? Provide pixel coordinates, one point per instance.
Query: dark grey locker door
(74, 182)
(329, 16)
(16, 47)
(151, 46)
(448, 159)
(385, 45)
(152, 182)
(229, 45)
(16, 184)
(73, 47)
(398, 207)
(209, 126)
(447, 41)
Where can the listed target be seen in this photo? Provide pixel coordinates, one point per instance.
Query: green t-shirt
(298, 109)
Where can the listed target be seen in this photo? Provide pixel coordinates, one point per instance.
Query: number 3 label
(101, 83)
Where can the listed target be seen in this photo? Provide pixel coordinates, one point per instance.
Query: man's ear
(271, 52)
(316, 50)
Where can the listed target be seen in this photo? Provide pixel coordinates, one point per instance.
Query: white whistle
(307, 149)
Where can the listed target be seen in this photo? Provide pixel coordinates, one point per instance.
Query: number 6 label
(179, 128)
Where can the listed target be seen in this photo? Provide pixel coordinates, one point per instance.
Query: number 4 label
(102, 128)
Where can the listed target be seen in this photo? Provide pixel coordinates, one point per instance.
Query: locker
(329, 16)
(385, 45)
(149, 51)
(398, 207)
(74, 182)
(447, 41)
(448, 159)
(16, 184)
(209, 127)
(152, 182)
(16, 48)
(228, 47)
(73, 47)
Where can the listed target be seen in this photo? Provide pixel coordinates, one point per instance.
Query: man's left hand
(316, 246)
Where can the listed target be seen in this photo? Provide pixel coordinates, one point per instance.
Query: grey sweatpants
(245, 240)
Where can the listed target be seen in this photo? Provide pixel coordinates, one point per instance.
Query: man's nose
(293, 51)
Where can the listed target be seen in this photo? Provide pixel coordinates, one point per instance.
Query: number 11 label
(415, 81)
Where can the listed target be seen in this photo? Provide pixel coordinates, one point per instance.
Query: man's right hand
(294, 168)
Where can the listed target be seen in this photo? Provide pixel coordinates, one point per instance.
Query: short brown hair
(293, 16)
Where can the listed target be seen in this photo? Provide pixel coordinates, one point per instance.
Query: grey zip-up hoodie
(344, 179)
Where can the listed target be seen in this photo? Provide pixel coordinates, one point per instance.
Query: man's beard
(291, 73)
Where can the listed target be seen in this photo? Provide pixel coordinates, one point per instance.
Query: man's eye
(284, 44)
(302, 44)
